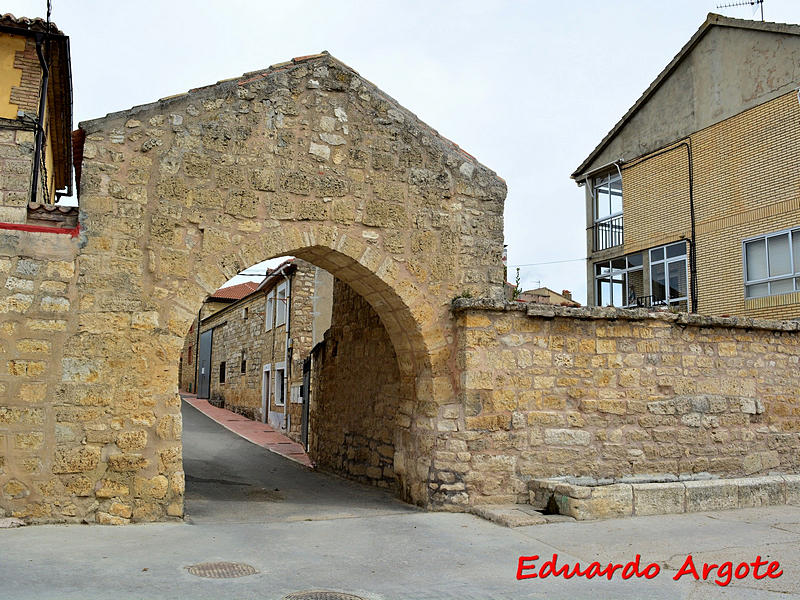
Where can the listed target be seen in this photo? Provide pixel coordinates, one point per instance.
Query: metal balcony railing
(608, 233)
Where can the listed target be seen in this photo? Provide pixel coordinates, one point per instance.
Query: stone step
(509, 515)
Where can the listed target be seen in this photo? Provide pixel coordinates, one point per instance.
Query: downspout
(197, 353)
(37, 150)
(286, 366)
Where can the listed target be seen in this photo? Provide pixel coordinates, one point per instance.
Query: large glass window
(607, 196)
(607, 209)
(772, 264)
(619, 281)
(669, 276)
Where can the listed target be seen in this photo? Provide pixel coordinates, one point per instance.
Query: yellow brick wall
(746, 183)
(650, 186)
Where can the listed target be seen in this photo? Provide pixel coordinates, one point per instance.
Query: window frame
(269, 310)
(279, 384)
(794, 269)
(617, 272)
(666, 261)
(281, 304)
(598, 181)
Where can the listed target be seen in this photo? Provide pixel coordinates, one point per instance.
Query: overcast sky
(528, 88)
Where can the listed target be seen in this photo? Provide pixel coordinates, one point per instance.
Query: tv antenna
(759, 3)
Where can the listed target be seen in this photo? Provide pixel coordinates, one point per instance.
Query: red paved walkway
(253, 431)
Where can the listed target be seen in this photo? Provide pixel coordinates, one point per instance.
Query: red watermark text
(529, 567)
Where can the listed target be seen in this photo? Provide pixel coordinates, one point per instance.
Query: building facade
(248, 351)
(35, 117)
(693, 199)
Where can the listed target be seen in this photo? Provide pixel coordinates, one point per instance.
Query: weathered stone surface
(509, 515)
(76, 460)
(711, 495)
(606, 501)
(761, 491)
(658, 498)
(127, 462)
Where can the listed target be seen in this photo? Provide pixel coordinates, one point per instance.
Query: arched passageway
(305, 159)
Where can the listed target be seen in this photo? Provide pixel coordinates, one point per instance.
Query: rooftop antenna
(759, 3)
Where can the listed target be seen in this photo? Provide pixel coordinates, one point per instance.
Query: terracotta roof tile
(37, 24)
(235, 292)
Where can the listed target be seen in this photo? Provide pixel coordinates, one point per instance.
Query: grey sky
(528, 88)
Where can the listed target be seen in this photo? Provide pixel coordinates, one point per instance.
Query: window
(222, 372)
(280, 400)
(191, 354)
(280, 305)
(270, 310)
(772, 264)
(244, 361)
(245, 312)
(620, 281)
(668, 275)
(607, 192)
(607, 211)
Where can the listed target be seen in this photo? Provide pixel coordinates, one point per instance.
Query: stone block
(715, 494)
(658, 498)
(155, 487)
(792, 483)
(567, 437)
(104, 518)
(111, 489)
(606, 501)
(127, 462)
(761, 491)
(509, 515)
(76, 460)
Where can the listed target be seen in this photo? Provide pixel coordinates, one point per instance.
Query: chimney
(567, 294)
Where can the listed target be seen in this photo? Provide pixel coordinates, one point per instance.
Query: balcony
(607, 233)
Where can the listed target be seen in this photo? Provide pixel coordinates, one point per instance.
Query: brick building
(247, 352)
(693, 198)
(35, 120)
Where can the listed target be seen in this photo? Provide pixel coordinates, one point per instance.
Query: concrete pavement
(305, 530)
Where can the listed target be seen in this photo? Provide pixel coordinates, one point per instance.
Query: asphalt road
(307, 531)
(228, 479)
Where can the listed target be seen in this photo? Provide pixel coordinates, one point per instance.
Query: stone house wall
(234, 333)
(187, 375)
(241, 392)
(358, 397)
(605, 393)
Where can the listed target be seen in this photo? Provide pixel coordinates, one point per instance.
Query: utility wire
(551, 262)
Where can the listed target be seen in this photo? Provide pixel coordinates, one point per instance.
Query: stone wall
(359, 398)
(16, 166)
(187, 374)
(49, 446)
(607, 393)
(240, 327)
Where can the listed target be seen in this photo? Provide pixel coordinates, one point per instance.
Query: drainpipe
(286, 366)
(197, 352)
(37, 151)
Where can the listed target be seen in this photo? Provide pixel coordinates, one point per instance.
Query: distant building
(35, 120)
(247, 351)
(544, 295)
(693, 198)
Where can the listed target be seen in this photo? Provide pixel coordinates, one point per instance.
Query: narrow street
(229, 479)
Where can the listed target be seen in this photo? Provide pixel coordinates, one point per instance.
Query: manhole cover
(321, 595)
(221, 570)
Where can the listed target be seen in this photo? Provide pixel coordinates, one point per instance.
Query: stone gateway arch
(472, 400)
(307, 159)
